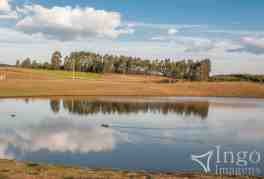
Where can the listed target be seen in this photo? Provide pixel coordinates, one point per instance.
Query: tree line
(93, 62)
(238, 77)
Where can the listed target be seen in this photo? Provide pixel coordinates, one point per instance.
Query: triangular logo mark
(207, 156)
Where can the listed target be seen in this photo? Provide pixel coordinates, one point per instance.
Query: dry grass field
(20, 170)
(41, 83)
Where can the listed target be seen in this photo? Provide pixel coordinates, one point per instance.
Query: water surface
(151, 133)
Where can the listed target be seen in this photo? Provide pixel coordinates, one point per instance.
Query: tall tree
(18, 63)
(56, 60)
(26, 63)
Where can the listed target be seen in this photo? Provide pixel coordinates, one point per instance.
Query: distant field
(67, 74)
(39, 74)
(20, 73)
(41, 83)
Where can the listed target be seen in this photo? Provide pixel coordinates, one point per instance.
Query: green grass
(68, 74)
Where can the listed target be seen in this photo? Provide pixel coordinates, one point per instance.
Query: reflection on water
(144, 133)
(85, 107)
(55, 135)
(55, 105)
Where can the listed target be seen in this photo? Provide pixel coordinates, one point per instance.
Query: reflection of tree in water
(84, 107)
(55, 105)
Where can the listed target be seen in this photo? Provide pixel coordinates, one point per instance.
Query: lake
(141, 133)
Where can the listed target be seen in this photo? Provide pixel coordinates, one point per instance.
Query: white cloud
(6, 11)
(4, 154)
(11, 36)
(68, 23)
(56, 135)
(9, 15)
(5, 6)
(189, 44)
(199, 45)
(257, 42)
(172, 31)
(250, 44)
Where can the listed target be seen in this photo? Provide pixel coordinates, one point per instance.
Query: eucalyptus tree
(26, 63)
(56, 60)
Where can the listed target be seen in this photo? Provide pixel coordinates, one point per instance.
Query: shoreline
(125, 96)
(12, 169)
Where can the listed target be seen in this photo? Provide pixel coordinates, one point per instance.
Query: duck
(105, 125)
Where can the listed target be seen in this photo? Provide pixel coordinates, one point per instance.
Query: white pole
(3, 74)
(73, 72)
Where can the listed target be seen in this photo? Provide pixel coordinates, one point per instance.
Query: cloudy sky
(229, 32)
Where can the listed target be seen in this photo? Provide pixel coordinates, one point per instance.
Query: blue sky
(229, 32)
(243, 13)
